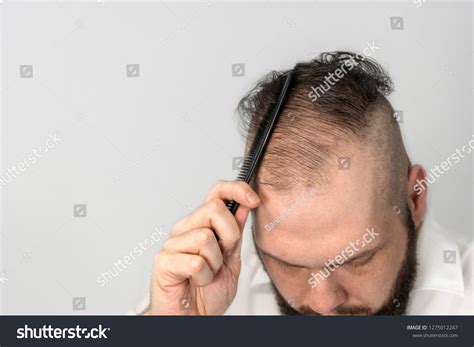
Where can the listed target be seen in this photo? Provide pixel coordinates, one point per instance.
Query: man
(337, 213)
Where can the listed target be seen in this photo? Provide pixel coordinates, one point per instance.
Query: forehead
(331, 214)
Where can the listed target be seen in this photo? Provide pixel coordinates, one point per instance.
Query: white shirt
(443, 285)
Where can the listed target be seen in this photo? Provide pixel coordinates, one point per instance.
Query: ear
(417, 187)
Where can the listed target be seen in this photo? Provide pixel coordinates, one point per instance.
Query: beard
(397, 302)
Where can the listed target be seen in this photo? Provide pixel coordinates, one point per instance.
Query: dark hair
(320, 116)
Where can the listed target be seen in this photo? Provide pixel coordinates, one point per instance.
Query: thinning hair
(321, 117)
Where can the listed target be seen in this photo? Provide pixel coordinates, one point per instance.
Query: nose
(327, 296)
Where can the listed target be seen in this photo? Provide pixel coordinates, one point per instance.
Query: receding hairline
(381, 134)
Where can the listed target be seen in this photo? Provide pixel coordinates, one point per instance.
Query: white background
(142, 151)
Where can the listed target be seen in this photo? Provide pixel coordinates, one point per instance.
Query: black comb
(260, 141)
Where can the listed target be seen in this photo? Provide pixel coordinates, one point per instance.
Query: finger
(175, 268)
(241, 216)
(198, 241)
(234, 190)
(233, 257)
(216, 216)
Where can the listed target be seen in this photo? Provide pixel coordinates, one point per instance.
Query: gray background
(142, 151)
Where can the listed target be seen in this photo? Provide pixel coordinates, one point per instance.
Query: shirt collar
(439, 260)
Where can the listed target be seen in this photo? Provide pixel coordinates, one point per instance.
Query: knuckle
(168, 243)
(197, 264)
(204, 236)
(217, 206)
(218, 185)
(174, 229)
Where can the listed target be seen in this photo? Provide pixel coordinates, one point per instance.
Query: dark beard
(397, 302)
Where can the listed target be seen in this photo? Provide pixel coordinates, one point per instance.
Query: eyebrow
(363, 254)
(279, 259)
(360, 255)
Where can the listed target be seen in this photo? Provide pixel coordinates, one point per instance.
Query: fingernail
(252, 197)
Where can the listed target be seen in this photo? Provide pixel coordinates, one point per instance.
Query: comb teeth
(244, 175)
(245, 167)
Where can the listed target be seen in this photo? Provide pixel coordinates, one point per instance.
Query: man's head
(336, 230)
